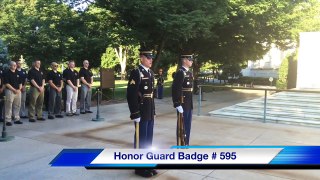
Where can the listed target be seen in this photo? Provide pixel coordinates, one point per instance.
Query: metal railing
(245, 88)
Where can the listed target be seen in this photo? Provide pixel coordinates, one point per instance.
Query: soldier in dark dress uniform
(182, 87)
(141, 104)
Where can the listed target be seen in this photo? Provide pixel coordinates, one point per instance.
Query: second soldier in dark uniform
(141, 104)
(182, 87)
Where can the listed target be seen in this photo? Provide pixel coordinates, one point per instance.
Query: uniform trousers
(85, 98)
(36, 103)
(187, 119)
(54, 101)
(12, 105)
(145, 134)
(23, 109)
(72, 97)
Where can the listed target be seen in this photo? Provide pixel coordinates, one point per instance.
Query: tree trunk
(157, 58)
(121, 53)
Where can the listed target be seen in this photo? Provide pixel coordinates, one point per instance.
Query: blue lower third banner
(193, 157)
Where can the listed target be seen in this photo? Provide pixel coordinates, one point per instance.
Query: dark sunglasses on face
(149, 57)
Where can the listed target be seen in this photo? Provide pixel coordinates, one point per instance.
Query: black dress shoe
(69, 114)
(143, 173)
(32, 120)
(41, 119)
(18, 122)
(59, 116)
(8, 124)
(1, 120)
(89, 112)
(24, 117)
(154, 172)
(76, 114)
(82, 112)
(50, 117)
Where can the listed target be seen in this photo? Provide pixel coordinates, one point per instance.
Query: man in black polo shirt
(72, 84)
(55, 92)
(13, 94)
(35, 76)
(23, 79)
(86, 80)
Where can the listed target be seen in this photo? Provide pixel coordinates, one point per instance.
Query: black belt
(148, 95)
(187, 89)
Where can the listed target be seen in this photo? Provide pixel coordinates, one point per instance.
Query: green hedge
(255, 80)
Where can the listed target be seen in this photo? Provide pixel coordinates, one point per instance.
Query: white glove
(137, 120)
(180, 109)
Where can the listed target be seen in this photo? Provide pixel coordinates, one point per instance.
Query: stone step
(270, 112)
(285, 120)
(282, 107)
(292, 108)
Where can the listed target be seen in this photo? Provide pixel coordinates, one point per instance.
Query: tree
(52, 31)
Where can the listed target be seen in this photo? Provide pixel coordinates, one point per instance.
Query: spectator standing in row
(86, 79)
(55, 92)
(13, 94)
(72, 79)
(160, 82)
(23, 79)
(37, 82)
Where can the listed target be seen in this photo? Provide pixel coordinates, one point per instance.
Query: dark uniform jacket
(182, 86)
(140, 94)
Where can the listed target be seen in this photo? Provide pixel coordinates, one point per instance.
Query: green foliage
(3, 52)
(254, 80)
(50, 30)
(171, 71)
(282, 81)
(109, 58)
(223, 31)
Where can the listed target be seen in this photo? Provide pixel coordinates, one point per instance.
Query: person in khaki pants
(37, 82)
(13, 94)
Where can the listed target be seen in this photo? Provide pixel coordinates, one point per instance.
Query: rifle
(137, 134)
(181, 129)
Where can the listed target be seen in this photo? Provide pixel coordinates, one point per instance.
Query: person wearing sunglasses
(86, 80)
(141, 105)
(72, 84)
(55, 81)
(182, 87)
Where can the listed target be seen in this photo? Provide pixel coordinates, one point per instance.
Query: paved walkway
(36, 144)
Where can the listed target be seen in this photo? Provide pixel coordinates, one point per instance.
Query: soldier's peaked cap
(146, 52)
(186, 54)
